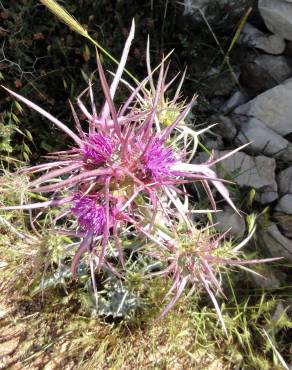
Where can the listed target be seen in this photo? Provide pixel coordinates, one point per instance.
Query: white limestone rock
(264, 72)
(276, 244)
(278, 67)
(268, 194)
(285, 204)
(255, 172)
(229, 219)
(271, 44)
(273, 107)
(225, 126)
(263, 140)
(247, 171)
(277, 15)
(285, 181)
(238, 98)
(219, 13)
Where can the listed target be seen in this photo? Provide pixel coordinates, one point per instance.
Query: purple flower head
(158, 160)
(90, 215)
(98, 148)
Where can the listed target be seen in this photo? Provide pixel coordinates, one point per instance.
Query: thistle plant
(123, 180)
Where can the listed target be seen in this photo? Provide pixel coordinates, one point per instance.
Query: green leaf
(29, 136)
(18, 107)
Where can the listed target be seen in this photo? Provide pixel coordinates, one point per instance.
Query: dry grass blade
(279, 356)
(71, 22)
(64, 16)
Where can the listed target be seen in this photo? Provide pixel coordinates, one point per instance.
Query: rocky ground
(255, 106)
(257, 109)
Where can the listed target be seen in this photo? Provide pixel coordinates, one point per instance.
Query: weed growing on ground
(125, 230)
